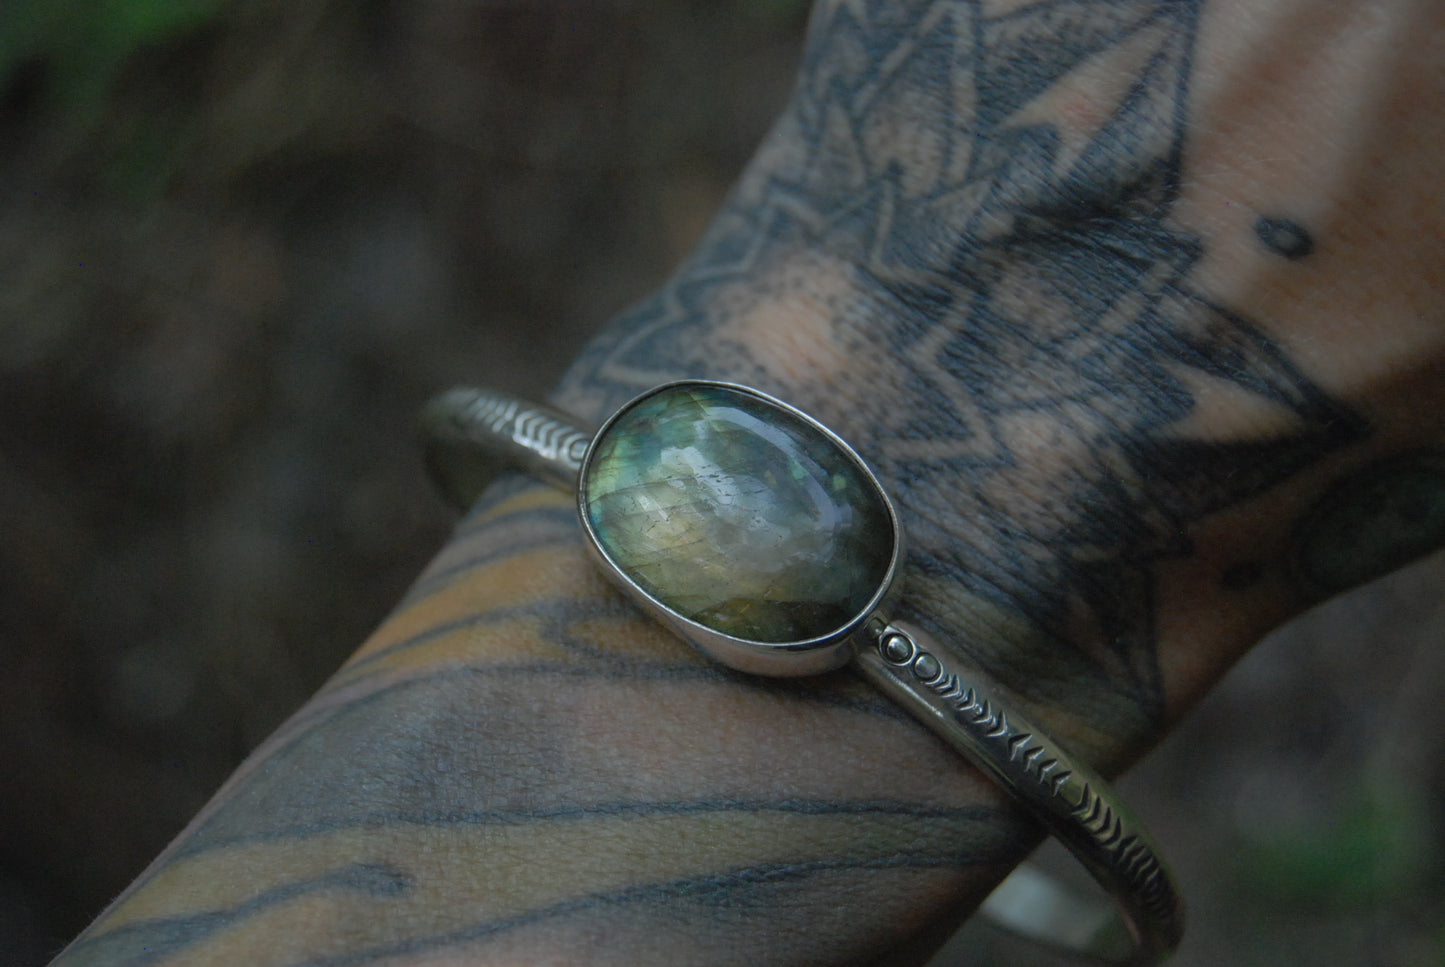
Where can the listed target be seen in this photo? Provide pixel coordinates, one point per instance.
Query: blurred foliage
(1378, 847)
(81, 45)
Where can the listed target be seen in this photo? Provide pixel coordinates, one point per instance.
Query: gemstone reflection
(737, 514)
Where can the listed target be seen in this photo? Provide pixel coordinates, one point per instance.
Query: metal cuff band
(471, 433)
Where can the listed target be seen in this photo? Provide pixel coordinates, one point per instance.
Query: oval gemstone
(737, 514)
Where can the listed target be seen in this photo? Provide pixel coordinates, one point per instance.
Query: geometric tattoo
(1044, 360)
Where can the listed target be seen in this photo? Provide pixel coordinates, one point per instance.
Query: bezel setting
(808, 656)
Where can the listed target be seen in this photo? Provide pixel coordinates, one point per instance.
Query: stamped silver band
(471, 432)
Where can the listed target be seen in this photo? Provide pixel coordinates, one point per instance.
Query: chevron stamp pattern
(1037, 771)
(528, 427)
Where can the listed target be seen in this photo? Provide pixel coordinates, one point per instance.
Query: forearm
(1116, 343)
(519, 768)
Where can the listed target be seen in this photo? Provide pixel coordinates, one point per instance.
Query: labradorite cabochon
(738, 514)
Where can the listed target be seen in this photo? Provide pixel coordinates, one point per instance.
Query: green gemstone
(738, 514)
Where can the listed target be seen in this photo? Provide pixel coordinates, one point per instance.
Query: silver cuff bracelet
(762, 538)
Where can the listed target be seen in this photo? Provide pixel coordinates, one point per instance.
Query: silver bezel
(808, 657)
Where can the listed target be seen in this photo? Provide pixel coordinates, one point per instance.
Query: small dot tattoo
(1284, 237)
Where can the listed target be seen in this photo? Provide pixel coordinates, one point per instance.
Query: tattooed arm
(1138, 309)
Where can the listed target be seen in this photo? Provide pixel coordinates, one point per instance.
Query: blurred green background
(241, 242)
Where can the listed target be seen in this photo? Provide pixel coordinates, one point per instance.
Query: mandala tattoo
(1000, 180)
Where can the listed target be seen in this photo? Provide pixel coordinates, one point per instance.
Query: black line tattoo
(1029, 316)
(581, 812)
(728, 888)
(152, 941)
(450, 730)
(1372, 522)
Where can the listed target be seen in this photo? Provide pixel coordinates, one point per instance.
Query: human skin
(1137, 309)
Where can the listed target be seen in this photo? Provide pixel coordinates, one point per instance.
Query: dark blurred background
(241, 242)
